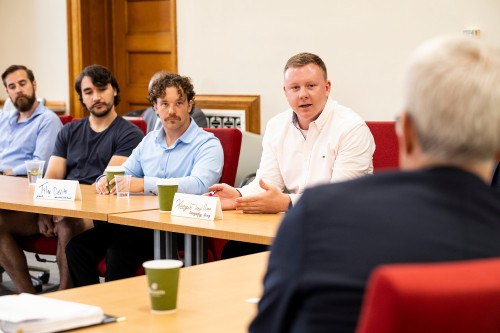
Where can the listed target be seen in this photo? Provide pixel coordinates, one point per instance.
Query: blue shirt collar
(186, 137)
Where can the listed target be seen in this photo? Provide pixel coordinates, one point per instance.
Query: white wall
(240, 47)
(33, 33)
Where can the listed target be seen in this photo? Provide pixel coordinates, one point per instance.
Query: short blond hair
(304, 58)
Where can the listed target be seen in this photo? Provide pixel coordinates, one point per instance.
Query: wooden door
(133, 38)
(144, 43)
(89, 42)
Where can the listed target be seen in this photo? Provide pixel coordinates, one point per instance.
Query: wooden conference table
(17, 194)
(211, 298)
(142, 211)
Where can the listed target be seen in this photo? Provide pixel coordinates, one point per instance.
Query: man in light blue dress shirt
(180, 150)
(29, 131)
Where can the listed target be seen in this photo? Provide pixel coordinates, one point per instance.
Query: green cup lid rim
(163, 264)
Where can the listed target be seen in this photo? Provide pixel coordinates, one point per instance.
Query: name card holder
(196, 206)
(57, 189)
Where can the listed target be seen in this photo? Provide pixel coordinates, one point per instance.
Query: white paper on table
(196, 206)
(57, 189)
(32, 313)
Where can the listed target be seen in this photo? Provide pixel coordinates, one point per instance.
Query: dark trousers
(234, 249)
(125, 248)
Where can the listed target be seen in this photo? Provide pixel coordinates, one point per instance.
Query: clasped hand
(272, 200)
(102, 186)
(47, 224)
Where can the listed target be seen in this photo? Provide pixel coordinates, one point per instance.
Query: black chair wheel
(44, 277)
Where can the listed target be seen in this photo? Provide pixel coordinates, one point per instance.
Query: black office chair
(135, 113)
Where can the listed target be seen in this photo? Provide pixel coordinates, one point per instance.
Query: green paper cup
(163, 283)
(111, 172)
(166, 191)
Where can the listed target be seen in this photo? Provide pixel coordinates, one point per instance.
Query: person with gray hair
(151, 118)
(439, 208)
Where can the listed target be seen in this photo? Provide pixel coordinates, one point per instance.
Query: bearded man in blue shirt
(181, 151)
(29, 132)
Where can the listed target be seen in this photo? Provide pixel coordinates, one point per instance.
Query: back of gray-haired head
(452, 94)
(155, 77)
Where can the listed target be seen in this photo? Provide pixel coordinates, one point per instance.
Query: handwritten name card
(57, 189)
(196, 206)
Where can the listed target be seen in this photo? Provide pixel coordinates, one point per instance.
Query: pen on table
(112, 319)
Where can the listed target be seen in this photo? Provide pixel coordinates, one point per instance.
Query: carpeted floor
(7, 287)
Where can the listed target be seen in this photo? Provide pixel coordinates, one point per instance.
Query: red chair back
(386, 154)
(65, 119)
(141, 124)
(453, 297)
(230, 139)
(39, 244)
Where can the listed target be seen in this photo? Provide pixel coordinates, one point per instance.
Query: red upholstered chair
(453, 297)
(39, 244)
(230, 139)
(141, 124)
(65, 119)
(386, 154)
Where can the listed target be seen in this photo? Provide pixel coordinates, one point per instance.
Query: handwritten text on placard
(57, 189)
(196, 206)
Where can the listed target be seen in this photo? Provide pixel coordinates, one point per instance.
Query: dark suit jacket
(329, 243)
(495, 179)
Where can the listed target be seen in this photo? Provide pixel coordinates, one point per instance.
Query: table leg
(188, 254)
(157, 244)
(199, 249)
(169, 246)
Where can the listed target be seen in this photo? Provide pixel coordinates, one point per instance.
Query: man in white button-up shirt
(315, 141)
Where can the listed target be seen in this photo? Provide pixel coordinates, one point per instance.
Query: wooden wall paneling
(249, 103)
(145, 41)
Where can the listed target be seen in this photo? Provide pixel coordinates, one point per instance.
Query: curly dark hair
(100, 77)
(167, 80)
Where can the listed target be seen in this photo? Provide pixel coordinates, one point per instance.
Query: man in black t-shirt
(82, 152)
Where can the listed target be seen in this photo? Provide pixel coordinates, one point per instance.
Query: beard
(104, 113)
(24, 103)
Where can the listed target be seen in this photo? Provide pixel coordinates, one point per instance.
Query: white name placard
(57, 189)
(196, 206)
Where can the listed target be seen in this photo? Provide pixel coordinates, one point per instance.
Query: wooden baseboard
(58, 107)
